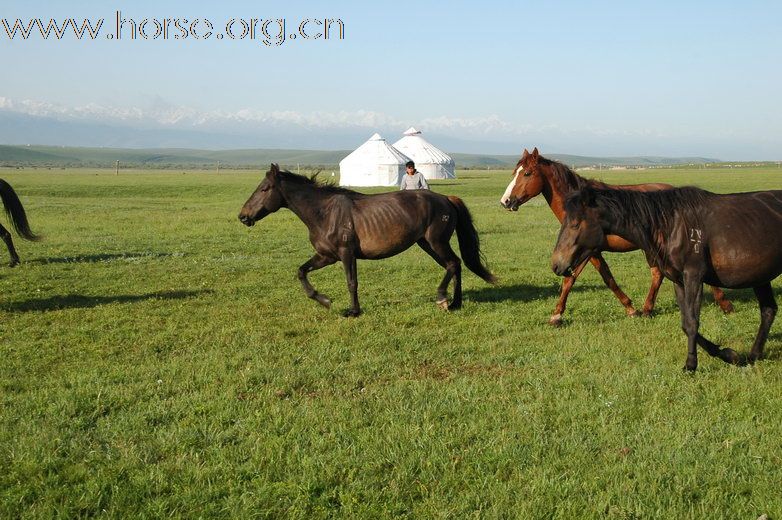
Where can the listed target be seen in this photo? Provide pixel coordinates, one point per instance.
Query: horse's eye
(265, 188)
(527, 173)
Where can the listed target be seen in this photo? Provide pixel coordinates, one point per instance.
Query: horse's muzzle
(247, 221)
(512, 204)
(560, 265)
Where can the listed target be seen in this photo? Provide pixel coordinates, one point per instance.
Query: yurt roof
(421, 150)
(377, 150)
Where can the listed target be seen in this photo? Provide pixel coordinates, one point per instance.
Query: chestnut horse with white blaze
(533, 175)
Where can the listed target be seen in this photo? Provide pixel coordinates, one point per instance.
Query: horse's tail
(469, 243)
(15, 211)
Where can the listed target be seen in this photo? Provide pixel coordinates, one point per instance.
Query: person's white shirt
(416, 181)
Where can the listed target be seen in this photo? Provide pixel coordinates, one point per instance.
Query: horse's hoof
(13, 263)
(647, 314)
(323, 300)
(455, 306)
(351, 313)
(443, 304)
(728, 355)
(687, 368)
(633, 314)
(556, 320)
(691, 364)
(727, 308)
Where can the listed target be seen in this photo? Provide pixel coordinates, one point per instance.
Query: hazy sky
(596, 78)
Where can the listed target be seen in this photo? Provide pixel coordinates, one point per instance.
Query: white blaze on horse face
(506, 195)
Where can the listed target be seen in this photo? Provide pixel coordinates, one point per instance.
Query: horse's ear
(588, 197)
(274, 169)
(535, 153)
(525, 154)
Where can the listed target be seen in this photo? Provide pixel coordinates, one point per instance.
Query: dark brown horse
(345, 226)
(693, 236)
(533, 175)
(18, 218)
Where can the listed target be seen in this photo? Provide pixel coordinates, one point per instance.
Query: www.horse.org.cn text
(268, 32)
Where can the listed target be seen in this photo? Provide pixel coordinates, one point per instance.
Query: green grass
(160, 359)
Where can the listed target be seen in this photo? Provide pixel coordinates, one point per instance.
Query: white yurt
(432, 162)
(374, 163)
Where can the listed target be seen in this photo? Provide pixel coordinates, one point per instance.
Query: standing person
(413, 180)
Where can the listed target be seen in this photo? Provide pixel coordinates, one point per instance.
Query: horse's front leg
(316, 262)
(654, 288)
(567, 285)
(6, 236)
(722, 300)
(351, 274)
(608, 278)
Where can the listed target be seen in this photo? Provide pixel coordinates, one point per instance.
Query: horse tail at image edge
(15, 212)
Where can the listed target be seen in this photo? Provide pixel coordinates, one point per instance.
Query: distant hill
(577, 161)
(57, 156)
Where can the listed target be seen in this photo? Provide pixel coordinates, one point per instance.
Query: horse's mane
(564, 176)
(313, 180)
(653, 212)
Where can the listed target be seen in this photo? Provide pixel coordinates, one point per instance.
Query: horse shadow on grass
(748, 295)
(518, 292)
(80, 301)
(96, 258)
(772, 350)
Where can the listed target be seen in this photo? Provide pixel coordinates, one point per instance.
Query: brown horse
(346, 225)
(534, 174)
(18, 218)
(693, 237)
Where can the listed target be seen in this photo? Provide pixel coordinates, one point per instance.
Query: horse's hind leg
(722, 300)
(689, 300)
(608, 278)
(453, 267)
(728, 355)
(768, 310)
(442, 289)
(657, 280)
(564, 292)
(313, 264)
(351, 273)
(6, 236)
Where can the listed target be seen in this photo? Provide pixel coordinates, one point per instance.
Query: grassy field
(159, 359)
